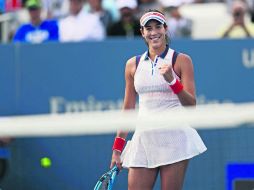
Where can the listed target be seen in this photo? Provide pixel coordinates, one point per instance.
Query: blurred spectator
(55, 8)
(38, 30)
(104, 15)
(145, 5)
(128, 25)
(239, 28)
(179, 26)
(80, 25)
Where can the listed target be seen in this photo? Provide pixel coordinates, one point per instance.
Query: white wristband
(172, 82)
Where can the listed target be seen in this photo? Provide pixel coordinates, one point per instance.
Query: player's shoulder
(131, 65)
(133, 61)
(183, 61)
(182, 57)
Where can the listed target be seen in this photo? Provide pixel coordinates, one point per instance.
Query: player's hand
(166, 72)
(116, 160)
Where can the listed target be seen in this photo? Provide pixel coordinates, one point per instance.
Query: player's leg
(142, 178)
(172, 175)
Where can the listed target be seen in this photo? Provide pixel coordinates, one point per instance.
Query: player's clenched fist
(166, 72)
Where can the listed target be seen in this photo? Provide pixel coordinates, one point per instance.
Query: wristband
(172, 82)
(177, 87)
(118, 144)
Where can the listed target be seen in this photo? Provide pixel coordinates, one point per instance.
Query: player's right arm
(130, 92)
(129, 103)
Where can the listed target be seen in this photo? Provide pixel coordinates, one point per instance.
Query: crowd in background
(79, 20)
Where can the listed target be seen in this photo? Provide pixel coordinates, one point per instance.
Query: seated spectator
(38, 30)
(239, 28)
(80, 25)
(128, 25)
(179, 26)
(104, 15)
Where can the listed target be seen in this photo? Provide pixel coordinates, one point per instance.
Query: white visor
(152, 16)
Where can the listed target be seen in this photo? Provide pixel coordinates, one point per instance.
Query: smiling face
(154, 34)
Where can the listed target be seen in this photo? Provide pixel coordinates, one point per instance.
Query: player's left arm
(187, 96)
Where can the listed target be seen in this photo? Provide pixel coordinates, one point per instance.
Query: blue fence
(71, 77)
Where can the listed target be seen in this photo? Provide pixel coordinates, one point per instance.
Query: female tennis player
(163, 79)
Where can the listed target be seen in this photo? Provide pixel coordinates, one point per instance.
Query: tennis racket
(107, 180)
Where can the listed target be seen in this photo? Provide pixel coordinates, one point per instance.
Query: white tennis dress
(162, 146)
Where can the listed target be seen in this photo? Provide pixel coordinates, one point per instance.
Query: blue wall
(57, 78)
(85, 74)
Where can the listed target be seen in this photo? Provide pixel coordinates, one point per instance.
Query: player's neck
(156, 51)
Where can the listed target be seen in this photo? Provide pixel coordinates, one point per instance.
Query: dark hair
(165, 24)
